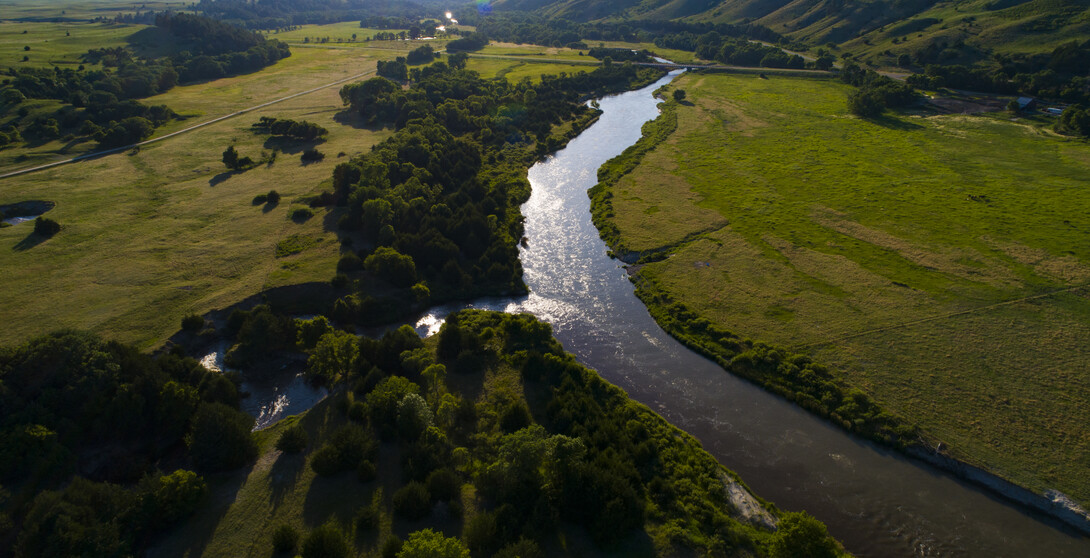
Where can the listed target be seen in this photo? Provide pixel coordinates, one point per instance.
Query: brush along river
(874, 500)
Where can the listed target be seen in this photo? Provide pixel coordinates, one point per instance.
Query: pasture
(937, 262)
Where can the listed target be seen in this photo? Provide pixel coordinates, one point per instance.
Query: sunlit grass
(830, 233)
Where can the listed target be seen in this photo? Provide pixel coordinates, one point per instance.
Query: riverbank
(825, 392)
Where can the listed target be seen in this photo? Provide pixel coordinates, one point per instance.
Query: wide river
(878, 503)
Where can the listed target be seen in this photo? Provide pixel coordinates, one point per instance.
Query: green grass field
(152, 236)
(902, 251)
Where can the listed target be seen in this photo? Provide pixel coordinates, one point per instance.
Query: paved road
(97, 154)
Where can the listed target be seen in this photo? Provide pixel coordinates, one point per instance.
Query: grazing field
(57, 43)
(151, 236)
(938, 263)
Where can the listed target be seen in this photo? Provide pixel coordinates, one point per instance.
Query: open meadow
(940, 263)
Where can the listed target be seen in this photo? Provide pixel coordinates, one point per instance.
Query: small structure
(1054, 111)
(1026, 103)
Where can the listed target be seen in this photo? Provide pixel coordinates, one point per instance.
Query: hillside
(972, 30)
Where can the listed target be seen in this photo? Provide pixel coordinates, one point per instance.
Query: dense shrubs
(327, 541)
(312, 155)
(285, 539)
(220, 438)
(44, 226)
(303, 130)
(192, 323)
(875, 92)
(292, 440)
(412, 501)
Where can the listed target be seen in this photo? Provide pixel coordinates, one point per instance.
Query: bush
(273, 197)
(192, 323)
(412, 501)
(430, 544)
(367, 518)
(46, 227)
(326, 461)
(293, 440)
(301, 214)
(326, 541)
(349, 262)
(339, 281)
(366, 471)
(444, 485)
(679, 95)
(285, 538)
(312, 155)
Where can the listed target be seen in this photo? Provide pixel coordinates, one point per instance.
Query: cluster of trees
(738, 51)
(565, 450)
(443, 192)
(396, 69)
(300, 130)
(620, 54)
(101, 103)
(420, 55)
(277, 14)
(875, 92)
(84, 424)
(1075, 120)
(468, 43)
(1062, 74)
(9, 135)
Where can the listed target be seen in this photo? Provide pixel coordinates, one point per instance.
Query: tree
(230, 158)
(391, 265)
(292, 440)
(412, 502)
(46, 227)
(413, 416)
(865, 104)
(326, 541)
(220, 437)
(679, 95)
(285, 538)
(429, 544)
(336, 353)
(799, 534)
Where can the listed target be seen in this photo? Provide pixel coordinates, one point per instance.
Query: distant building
(1054, 111)
(1026, 103)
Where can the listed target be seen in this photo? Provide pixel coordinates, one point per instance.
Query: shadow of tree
(894, 123)
(221, 178)
(269, 206)
(289, 145)
(349, 117)
(284, 475)
(33, 239)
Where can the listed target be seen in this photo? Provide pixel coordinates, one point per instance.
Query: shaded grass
(839, 227)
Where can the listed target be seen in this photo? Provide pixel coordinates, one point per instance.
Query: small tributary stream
(878, 503)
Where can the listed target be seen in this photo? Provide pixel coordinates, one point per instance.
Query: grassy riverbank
(935, 263)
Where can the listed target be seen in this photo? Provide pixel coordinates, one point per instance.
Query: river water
(875, 501)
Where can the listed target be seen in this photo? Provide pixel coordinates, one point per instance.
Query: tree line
(101, 104)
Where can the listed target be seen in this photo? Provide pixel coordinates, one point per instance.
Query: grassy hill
(972, 30)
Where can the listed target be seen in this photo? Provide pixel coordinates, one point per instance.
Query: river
(878, 503)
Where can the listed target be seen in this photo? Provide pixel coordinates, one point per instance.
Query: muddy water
(878, 503)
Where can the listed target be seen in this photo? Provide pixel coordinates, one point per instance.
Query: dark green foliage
(515, 416)
(367, 518)
(312, 155)
(430, 544)
(292, 440)
(471, 42)
(620, 54)
(192, 323)
(1075, 120)
(303, 130)
(799, 534)
(230, 159)
(44, 226)
(301, 214)
(346, 449)
(220, 438)
(285, 539)
(392, 266)
(382, 402)
(366, 471)
(327, 541)
(273, 197)
(413, 417)
(68, 393)
(412, 501)
(444, 485)
(679, 95)
(261, 332)
(349, 262)
(397, 69)
(876, 92)
(420, 55)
